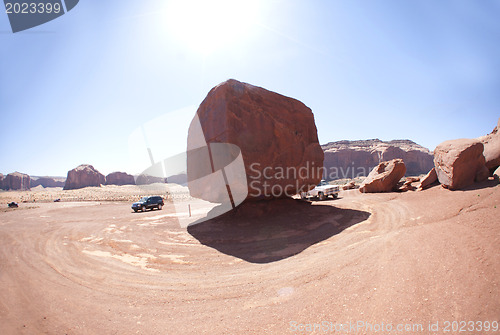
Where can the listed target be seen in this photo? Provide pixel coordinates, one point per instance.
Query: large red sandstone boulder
(120, 178)
(83, 176)
(491, 150)
(429, 179)
(460, 163)
(16, 181)
(276, 134)
(384, 177)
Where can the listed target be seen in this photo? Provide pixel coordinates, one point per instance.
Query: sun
(209, 25)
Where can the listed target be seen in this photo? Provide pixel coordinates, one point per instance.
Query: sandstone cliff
(47, 181)
(350, 159)
(120, 178)
(82, 176)
(16, 181)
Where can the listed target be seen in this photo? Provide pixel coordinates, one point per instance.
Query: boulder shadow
(491, 182)
(269, 231)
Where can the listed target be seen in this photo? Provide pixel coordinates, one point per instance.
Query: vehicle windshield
(143, 199)
(322, 183)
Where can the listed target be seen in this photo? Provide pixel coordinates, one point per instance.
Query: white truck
(322, 191)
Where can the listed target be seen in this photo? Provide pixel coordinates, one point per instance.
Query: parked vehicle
(322, 191)
(13, 204)
(150, 202)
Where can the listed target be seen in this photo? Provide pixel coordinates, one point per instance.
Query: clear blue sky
(73, 90)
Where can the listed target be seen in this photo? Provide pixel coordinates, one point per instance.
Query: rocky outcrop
(16, 181)
(406, 186)
(429, 180)
(180, 179)
(409, 184)
(384, 177)
(351, 159)
(84, 175)
(349, 186)
(276, 134)
(46, 182)
(1, 181)
(460, 163)
(144, 179)
(491, 150)
(120, 178)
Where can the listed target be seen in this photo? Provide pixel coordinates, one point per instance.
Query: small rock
(429, 179)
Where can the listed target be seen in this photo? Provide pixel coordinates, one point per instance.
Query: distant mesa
(120, 178)
(350, 159)
(15, 181)
(83, 176)
(145, 179)
(180, 179)
(46, 182)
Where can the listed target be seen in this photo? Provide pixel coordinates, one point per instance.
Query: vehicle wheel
(321, 196)
(159, 207)
(143, 208)
(335, 196)
(136, 210)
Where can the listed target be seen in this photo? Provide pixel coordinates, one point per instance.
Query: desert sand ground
(96, 267)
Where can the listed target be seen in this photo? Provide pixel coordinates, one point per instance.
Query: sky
(79, 89)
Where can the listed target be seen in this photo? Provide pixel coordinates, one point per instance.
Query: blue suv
(151, 202)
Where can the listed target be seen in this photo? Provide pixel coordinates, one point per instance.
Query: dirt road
(393, 259)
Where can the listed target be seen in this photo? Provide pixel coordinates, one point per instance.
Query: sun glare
(208, 25)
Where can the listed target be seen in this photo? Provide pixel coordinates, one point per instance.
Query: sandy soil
(98, 268)
(103, 193)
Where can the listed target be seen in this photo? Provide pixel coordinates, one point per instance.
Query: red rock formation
(16, 181)
(350, 159)
(275, 134)
(46, 182)
(384, 177)
(119, 178)
(1, 181)
(145, 179)
(407, 186)
(349, 186)
(430, 179)
(491, 151)
(83, 176)
(459, 163)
